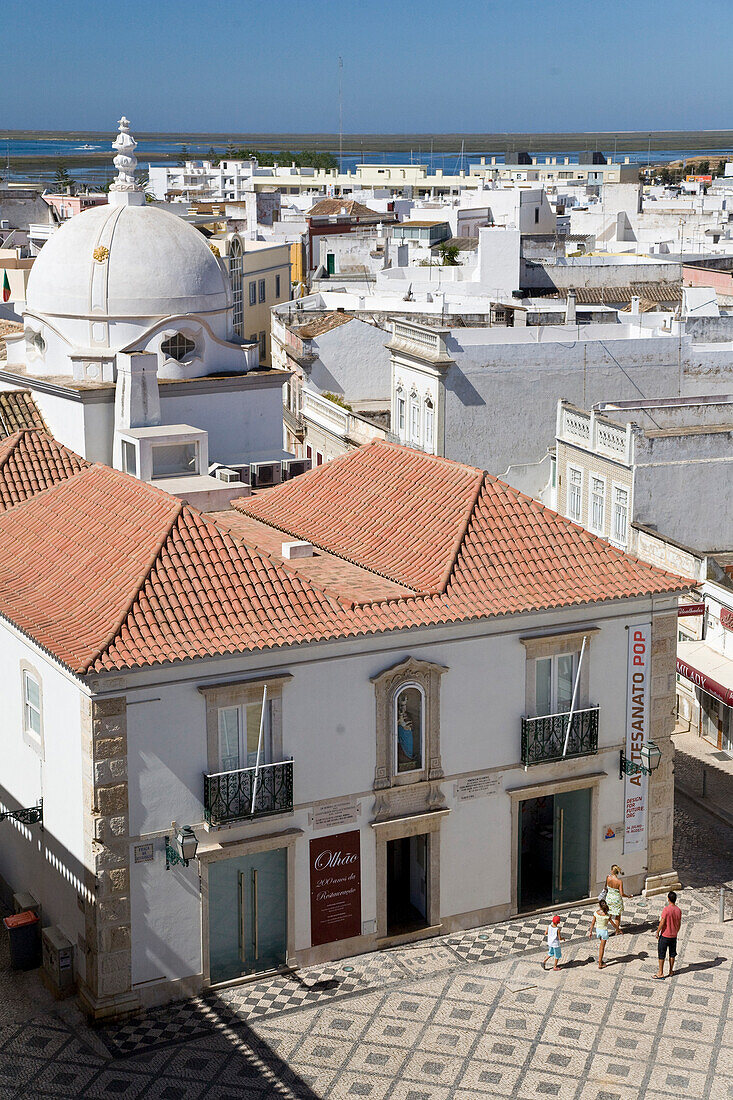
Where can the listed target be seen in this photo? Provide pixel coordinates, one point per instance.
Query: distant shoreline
(624, 141)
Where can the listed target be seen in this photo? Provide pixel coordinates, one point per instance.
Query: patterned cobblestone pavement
(471, 1015)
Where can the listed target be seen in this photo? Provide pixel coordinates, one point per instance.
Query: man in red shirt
(667, 931)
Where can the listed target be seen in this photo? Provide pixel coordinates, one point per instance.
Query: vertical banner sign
(638, 678)
(335, 887)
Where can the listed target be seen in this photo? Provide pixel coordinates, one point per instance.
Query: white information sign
(638, 678)
(477, 786)
(331, 814)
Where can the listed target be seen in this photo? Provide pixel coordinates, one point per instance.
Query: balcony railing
(543, 739)
(228, 795)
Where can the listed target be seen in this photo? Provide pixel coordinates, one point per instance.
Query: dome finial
(125, 161)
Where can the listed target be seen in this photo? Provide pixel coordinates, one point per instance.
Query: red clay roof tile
(107, 572)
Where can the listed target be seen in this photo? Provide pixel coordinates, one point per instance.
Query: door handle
(562, 837)
(241, 916)
(255, 917)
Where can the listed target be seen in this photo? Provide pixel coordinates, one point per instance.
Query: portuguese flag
(6, 287)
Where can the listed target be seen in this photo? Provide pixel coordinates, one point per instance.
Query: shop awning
(708, 670)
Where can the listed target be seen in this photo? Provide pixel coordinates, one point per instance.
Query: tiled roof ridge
(8, 445)
(137, 588)
(588, 536)
(460, 536)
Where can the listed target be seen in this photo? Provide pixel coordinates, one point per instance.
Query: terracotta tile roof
(320, 325)
(603, 295)
(444, 528)
(347, 582)
(30, 461)
(395, 511)
(347, 208)
(107, 572)
(18, 410)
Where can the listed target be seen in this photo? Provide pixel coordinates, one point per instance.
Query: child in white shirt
(554, 939)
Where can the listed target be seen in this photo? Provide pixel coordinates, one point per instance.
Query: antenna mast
(341, 118)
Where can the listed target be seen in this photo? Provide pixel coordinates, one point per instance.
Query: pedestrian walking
(615, 896)
(554, 939)
(600, 922)
(667, 932)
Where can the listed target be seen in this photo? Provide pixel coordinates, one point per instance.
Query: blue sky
(430, 66)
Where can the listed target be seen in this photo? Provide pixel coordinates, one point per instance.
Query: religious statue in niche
(409, 731)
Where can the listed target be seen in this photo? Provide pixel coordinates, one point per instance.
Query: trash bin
(24, 930)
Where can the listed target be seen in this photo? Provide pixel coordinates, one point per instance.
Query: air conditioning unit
(292, 467)
(227, 475)
(265, 474)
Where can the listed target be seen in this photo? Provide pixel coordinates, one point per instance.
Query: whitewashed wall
(329, 729)
(48, 863)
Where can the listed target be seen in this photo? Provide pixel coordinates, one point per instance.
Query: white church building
(128, 327)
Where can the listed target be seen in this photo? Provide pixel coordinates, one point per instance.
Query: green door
(330, 263)
(571, 846)
(248, 905)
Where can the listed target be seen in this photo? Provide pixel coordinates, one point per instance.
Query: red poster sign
(335, 887)
(726, 618)
(690, 609)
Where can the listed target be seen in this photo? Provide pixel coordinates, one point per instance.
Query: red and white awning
(706, 669)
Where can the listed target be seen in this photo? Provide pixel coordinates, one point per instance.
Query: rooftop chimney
(570, 308)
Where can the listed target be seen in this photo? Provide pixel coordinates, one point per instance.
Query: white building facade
(335, 785)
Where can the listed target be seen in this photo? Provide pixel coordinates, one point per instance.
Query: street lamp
(185, 850)
(650, 756)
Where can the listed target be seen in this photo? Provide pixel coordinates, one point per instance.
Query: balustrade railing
(543, 739)
(232, 796)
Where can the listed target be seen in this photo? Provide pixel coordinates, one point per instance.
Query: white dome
(156, 265)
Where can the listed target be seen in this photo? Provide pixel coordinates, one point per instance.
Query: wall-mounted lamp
(650, 757)
(185, 850)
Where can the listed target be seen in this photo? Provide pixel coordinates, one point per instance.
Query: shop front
(554, 841)
(247, 907)
(710, 675)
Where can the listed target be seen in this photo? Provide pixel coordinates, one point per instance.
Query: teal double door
(554, 849)
(248, 914)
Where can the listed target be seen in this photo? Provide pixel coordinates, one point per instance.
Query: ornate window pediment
(408, 723)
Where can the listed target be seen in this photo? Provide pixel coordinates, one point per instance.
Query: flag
(6, 287)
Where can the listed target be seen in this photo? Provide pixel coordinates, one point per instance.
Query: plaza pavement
(471, 1015)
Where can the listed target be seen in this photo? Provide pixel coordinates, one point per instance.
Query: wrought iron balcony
(233, 796)
(543, 739)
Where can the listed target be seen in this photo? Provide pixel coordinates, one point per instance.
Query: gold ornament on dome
(101, 254)
(215, 250)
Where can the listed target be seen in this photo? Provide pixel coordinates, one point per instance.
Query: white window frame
(31, 736)
(243, 756)
(429, 425)
(401, 411)
(555, 658)
(616, 488)
(592, 526)
(415, 421)
(253, 292)
(571, 484)
(395, 740)
(262, 290)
